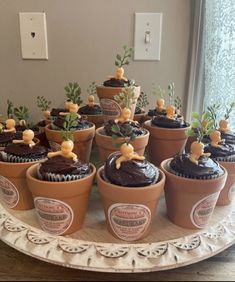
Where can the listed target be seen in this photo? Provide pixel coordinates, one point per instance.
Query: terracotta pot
(110, 108)
(61, 206)
(191, 202)
(227, 194)
(82, 141)
(106, 144)
(98, 120)
(129, 211)
(14, 186)
(165, 142)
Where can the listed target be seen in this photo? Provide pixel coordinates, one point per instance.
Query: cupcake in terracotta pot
(115, 85)
(130, 188)
(224, 154)
(15, 159)
(193, 185)
(118, 131)
(83, 132)
(61, 187)
(167, 135)
(92, 111)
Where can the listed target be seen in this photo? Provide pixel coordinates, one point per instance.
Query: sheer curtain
(212, 71)
(219, 36)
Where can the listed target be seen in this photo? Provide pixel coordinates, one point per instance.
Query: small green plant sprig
(10, 109)
(123, 60)
(157, 90)
(22, 114)
(142, 102)
(229, 110)
(91, 90)
(69, 126)
(43, 104)
(126, 98)
(200, 125)
(172, 99)
(73, 93)
(127, 134)
(212, 110)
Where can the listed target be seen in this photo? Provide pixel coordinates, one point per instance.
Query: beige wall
(83, 38)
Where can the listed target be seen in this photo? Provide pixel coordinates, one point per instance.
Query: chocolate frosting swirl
(154, 112)
(222, 152)
(82, 123)
(7, 137)
(135, 128)
(24, 151)
(113, 82)
(206, 168)
(87, 110)
(163, 121)
(64, 166)
(132, 173)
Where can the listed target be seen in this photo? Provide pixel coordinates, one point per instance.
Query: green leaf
(190, 132)
(117, 63)
(195, 124)
(118, 57)
(115, 128)
(195, 115)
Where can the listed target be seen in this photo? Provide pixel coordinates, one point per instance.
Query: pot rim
(32, 178)
(134, 189)
(20, 164)
(190, 180)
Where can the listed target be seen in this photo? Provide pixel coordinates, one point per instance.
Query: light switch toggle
(147, 37)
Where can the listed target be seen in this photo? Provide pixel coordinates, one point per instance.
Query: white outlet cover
(148, 27)
(33, 33)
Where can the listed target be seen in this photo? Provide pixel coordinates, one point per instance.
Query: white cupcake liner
(15, 159)
(52, 177)
(228, 159)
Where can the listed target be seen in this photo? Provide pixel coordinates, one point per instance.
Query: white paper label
(110, 108)
(202, 211)
(9, 191)
(231, 192)
(55, 216)
(54, 146)
(129, 221)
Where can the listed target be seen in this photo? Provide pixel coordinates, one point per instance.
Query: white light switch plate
(148, 33)
(33, 33)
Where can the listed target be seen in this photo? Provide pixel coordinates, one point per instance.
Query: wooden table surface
(17, 266)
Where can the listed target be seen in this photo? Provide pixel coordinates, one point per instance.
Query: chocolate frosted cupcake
(219, 150)
(131, 126)
(60, 169)
(81, 123)
(25, 150)
(206, 168)
(7, 138)
(165, 122)
(88, 110)
(133, 173)
(21, 153)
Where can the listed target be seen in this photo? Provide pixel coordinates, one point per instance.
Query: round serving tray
(93, 248)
